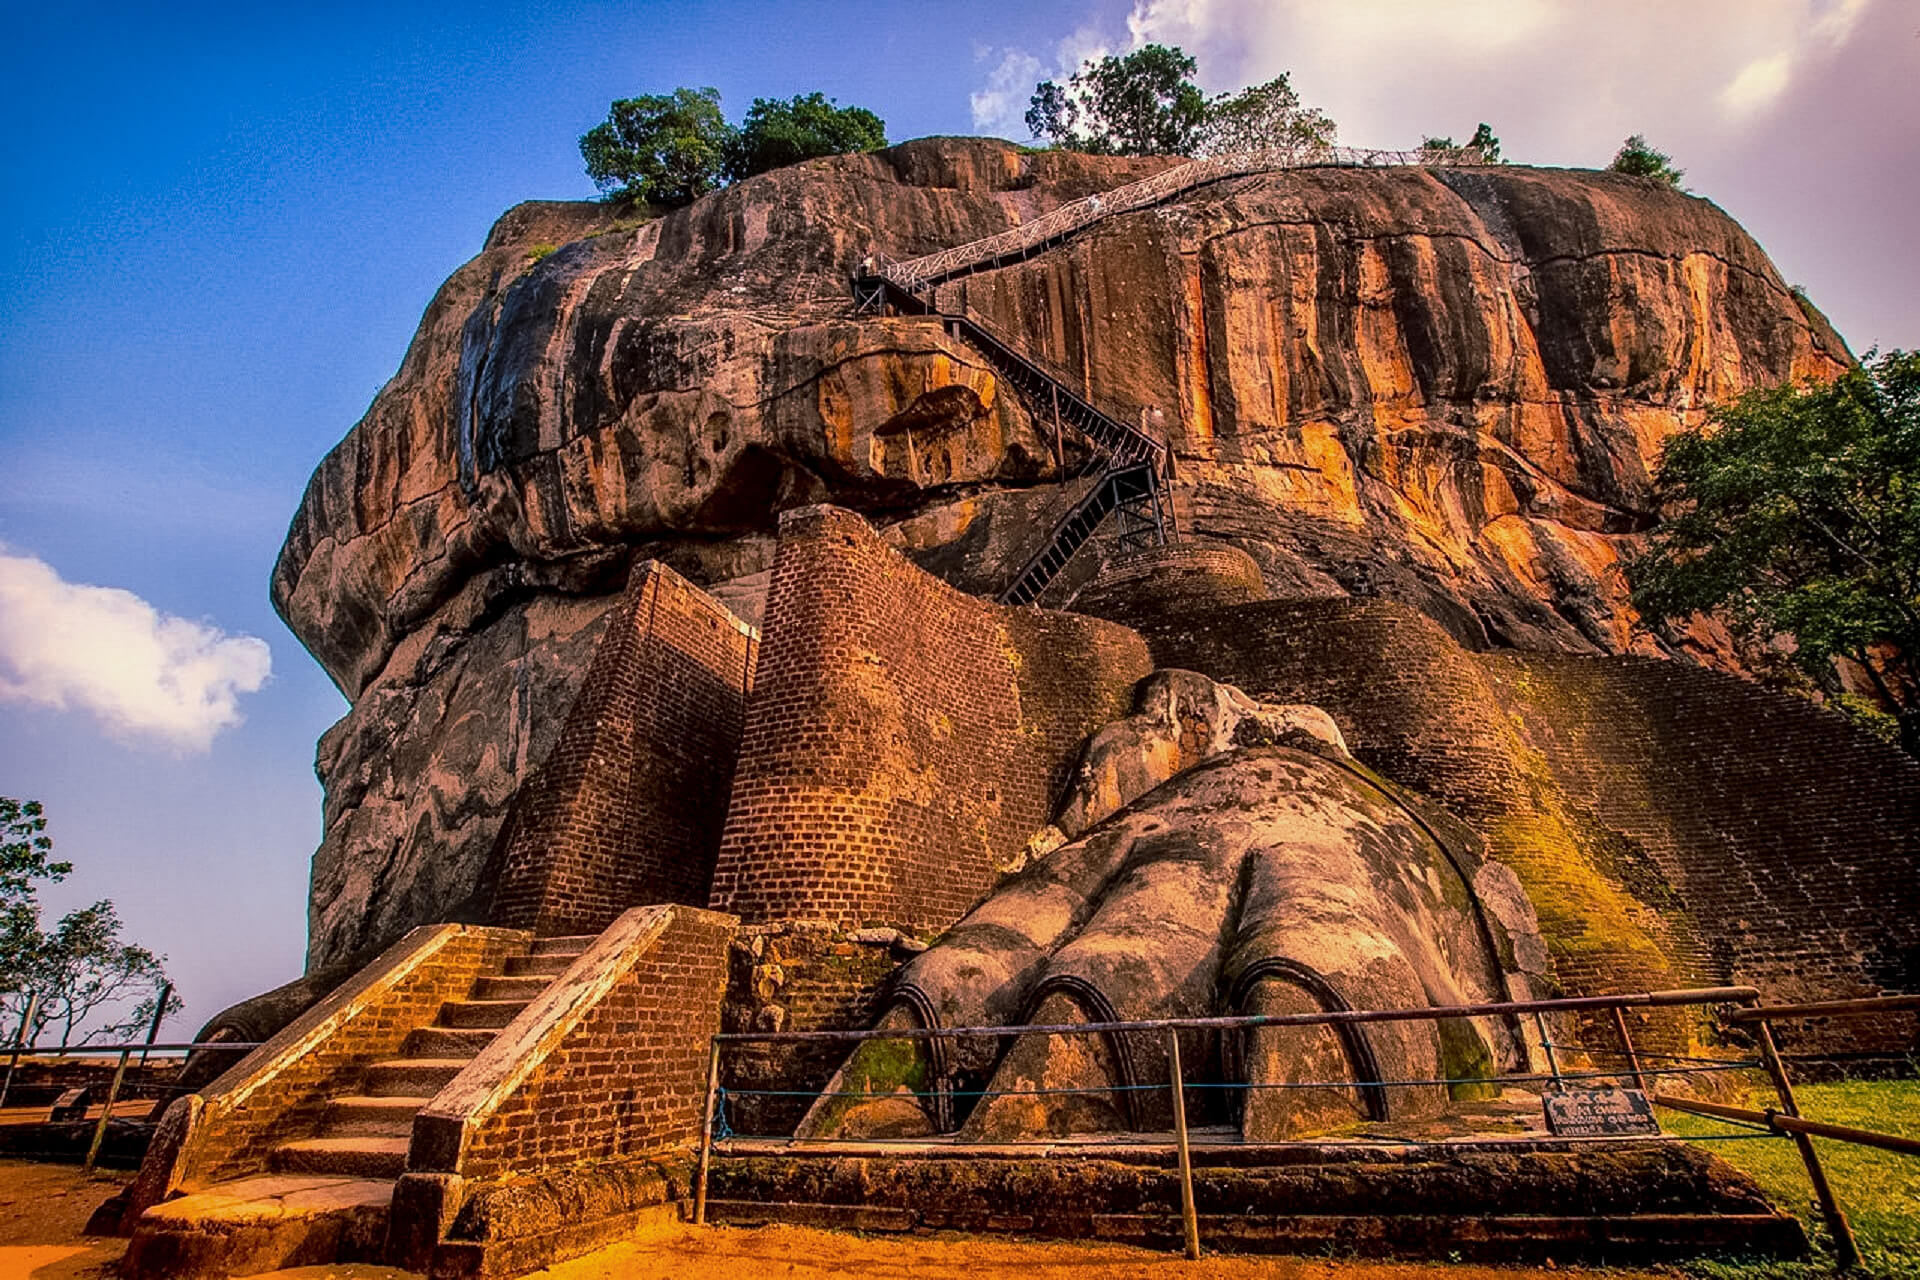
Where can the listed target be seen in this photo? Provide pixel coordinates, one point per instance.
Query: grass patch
(1879, 1190)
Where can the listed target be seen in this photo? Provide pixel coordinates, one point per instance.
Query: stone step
(569, 946)
(446, 1042)
(411, 1077)
(364, 1117)
(511, 988)
(549, 965)
(343, 1157)
(256, 1225)
(471, 1014)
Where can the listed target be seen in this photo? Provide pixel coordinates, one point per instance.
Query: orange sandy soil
(44, 1208)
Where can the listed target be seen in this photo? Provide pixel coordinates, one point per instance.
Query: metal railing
(1638, 1067)
(145, 1048)
(1015, 243)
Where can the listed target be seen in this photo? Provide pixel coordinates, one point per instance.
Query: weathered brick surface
(1791, 839)
(1673, 826)
(629, 1079)
(794, 976)
(246, 1117)
(628, 808)
(903, 738)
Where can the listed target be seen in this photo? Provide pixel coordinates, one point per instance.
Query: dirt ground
(44, 1210)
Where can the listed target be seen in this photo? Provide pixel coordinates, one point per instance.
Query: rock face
(1444, 388)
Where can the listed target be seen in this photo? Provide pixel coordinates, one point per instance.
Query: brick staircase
(365, 1134)
(325, 1196)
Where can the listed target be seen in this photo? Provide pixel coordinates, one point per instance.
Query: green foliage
(81, 968)
(541, 252)
(1264, 116)
(26, 857)
(1144, 103)
(1483, 140)
(1794, 514)
(1642, 161)
(777, 133)
(664, 149)
(1879, 1190)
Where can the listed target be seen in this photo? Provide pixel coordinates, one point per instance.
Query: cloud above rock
(146, 676)
(1799, 117)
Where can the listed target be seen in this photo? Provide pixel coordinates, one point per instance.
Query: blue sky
(223, 222)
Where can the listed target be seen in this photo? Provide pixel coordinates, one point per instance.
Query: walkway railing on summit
(917, 274)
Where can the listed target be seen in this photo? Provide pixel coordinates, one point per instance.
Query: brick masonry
(1673, 826)
(629, 807)
(628, 1079)
(247, 1113)
(904, 739)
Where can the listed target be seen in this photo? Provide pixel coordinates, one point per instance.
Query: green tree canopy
(1641, 160)
(79, 969)
(661, 148)
(776, 133)
(1483, 140)
(1263, 116)
(1794, 514)
(1144, 103)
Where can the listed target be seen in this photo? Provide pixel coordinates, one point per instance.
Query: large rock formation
(1441, 387)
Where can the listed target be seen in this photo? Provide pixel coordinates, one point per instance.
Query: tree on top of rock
(1142, 104)
(1638, 158)
(1483, 140)
(659, 148)
(775, 133)
(671, 149)
(1146, 104)
(1794, 514)
(1263, 117)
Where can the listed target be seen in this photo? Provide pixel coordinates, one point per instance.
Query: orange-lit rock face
(1440, 387)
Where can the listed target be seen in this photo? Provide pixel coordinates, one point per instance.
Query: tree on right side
(1793, 514)
(1637, 157)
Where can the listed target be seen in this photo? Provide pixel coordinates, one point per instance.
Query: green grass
(1878, 1190)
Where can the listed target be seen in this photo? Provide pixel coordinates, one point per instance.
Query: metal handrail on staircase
(1136, 465)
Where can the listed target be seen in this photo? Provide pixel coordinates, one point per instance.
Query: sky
(223, 221)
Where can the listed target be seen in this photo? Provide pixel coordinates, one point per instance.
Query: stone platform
(1483, 1199)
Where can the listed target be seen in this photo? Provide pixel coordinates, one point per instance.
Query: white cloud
(1758, 84)
(142, 673)
(1000, 106)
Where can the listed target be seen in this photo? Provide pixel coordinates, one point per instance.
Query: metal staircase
(1134, 467)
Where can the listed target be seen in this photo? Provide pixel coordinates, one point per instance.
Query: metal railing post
(106, 1112)
(1189, 1219)
(1546, 1045)
(19, 1044)
(706, 1134)
(153, 1028)
(1846, 1250)
(1626, 1046)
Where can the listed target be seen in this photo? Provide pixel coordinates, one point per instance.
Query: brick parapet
(904, 739)
(629, 806)
(609, 1063)
(275, 1094)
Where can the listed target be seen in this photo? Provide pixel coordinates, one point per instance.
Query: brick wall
(796, 975)
(1673, 827)
(904, 739)
(623, 1076)
(275, 1094)
(1792, 838)
(629, 806)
